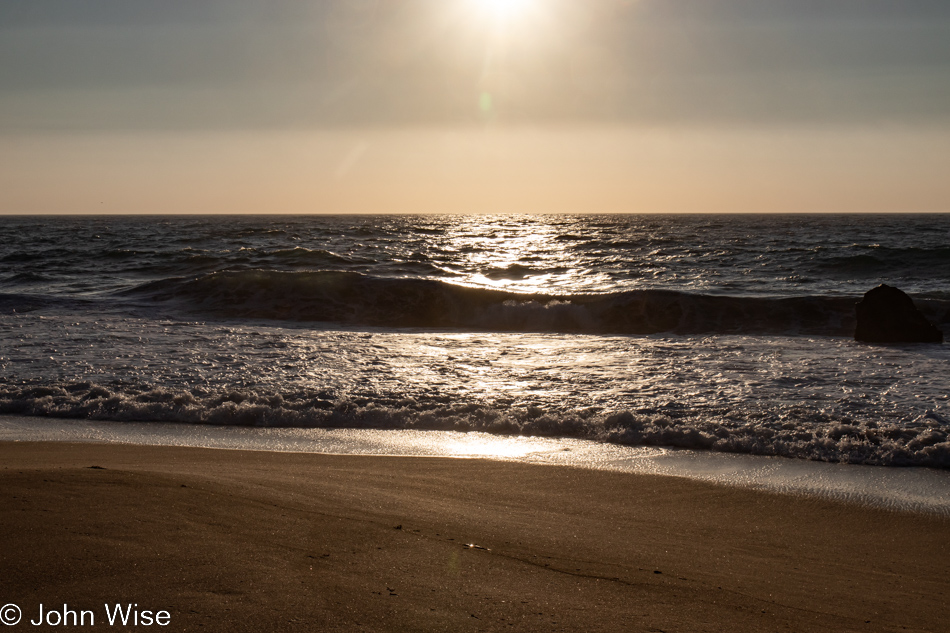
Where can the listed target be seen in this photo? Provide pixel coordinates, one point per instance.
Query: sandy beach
(257, 541)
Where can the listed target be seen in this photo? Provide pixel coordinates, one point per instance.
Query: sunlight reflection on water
(493, 446)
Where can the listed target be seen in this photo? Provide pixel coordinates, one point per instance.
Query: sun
(504, 10)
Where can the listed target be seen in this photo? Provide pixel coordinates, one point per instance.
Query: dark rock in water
(888, 315)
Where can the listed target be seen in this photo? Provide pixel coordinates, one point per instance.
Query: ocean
(729, 334)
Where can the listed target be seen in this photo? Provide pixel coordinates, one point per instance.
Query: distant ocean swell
(358, 299)
(802, 433)
(869, 261)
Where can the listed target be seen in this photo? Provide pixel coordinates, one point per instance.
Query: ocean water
(714, 333)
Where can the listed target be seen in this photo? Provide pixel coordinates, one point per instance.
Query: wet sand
(256, 541)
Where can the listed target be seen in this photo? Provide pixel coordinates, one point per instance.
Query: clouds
(182, 65)
(425, 105)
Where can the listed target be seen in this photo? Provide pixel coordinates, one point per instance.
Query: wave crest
(354, 298)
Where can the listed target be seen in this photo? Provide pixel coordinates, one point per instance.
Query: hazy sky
(311, 106)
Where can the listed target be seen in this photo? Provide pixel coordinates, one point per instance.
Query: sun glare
(504, 10)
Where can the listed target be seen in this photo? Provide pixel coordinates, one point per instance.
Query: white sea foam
(817, 398)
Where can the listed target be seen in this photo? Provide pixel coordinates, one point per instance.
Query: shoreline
(911, 489)
(245, 540)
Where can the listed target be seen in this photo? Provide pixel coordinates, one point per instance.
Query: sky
(450, 106)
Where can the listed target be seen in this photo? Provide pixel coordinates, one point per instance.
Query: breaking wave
(357, 299)
(798, 433)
